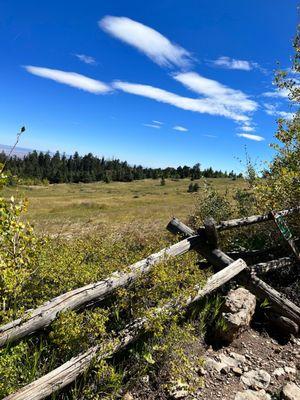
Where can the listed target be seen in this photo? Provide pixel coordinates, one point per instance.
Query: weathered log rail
(254, 219)
(42, 316)
(69, 371)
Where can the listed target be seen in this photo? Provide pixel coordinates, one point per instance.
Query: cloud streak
(277, 93)
(256, 138)
(247, 128)
(86, 59)
(180, 128)
(232, 63)
(272, 110)
(147, 40)
(70, 78)
(205, 105)
(233, 103)
(152, 126)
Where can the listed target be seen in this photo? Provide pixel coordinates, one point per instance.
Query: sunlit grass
(72, 207)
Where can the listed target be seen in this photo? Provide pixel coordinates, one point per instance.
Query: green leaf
(148, 357)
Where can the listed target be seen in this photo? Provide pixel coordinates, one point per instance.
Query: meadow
(77, 208)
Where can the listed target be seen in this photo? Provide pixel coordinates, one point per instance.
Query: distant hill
(18, 151)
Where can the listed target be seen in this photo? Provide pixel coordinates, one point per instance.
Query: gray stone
(252, 395)
(238, 310)
(256, 379)
(212, 365)
(291, 392)
(290, 370)
(238, 357)
(229, 361)
(128, 396)
(278, 372)
(237, 371)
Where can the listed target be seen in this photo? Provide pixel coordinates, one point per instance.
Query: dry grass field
(75, 208)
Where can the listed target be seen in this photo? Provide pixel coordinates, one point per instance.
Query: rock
(179, 390)
(290, 370)
(256, 379)
(238, 357)
(212, 365)
(145, 379)
(291, 391)
(238, 310)
(279, 372)
(252, 395)
(229, 361)
(224, 363)
(128, 396)
(237, 371)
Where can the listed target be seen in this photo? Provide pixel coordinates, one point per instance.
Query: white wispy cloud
(86, 59)
(272, 109)
(152, 126)
(147, 40)
(210, 136)
(180, 128)
(277, 93)
(205, 105)
(70, 78)
(157, 122)
(234, 103)
(232, 63)
(251, 137)
(247, 128)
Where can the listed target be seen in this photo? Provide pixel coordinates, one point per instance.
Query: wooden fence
(205, 242)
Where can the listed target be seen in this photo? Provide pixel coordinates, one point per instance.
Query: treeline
(59, 168)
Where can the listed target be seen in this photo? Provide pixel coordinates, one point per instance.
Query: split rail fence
(205, 241)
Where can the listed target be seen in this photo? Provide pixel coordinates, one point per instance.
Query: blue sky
(160, 83)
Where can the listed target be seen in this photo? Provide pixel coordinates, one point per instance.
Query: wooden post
(211, 232)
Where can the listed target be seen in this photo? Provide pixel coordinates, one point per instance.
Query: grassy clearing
(77, 208)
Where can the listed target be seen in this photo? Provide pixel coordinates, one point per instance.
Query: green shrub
(210, 203)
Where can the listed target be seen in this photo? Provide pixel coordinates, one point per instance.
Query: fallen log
(261, 289)
(273, 265)
(42, 316)
(71, 370)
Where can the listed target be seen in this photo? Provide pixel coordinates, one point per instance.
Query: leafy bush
(280, 187)
(210, 203)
